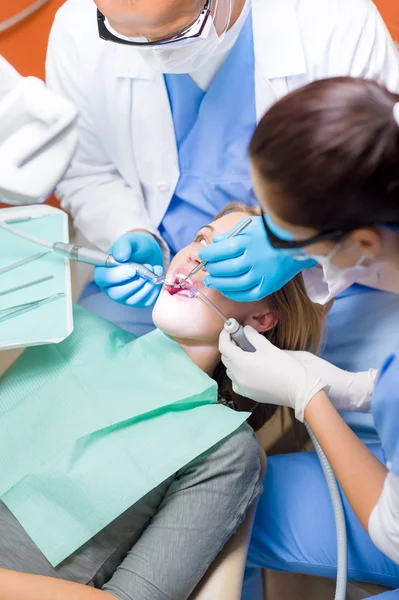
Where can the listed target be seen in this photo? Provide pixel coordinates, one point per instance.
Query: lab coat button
(389, 465)
(163, 187)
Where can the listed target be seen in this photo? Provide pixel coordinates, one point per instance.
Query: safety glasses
(186, 36)
(280, 244)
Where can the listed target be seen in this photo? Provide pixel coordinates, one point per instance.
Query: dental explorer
(234, 233)
(20, 309)
(232, 326)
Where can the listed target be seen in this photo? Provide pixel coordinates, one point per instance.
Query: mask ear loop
(359, 262)
(214, 19)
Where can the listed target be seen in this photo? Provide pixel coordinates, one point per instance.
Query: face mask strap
(334, 251)
(214, 17)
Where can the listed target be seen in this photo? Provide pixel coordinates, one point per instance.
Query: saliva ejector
(237, 334)
(232, 326)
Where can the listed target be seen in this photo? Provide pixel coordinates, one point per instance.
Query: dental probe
(232, 326)
(235, 232)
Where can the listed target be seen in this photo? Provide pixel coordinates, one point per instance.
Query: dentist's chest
(134, 122)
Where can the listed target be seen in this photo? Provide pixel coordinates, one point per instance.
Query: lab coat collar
(277, 44)
(130, 64)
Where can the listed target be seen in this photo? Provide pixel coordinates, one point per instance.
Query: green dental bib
(89, 426)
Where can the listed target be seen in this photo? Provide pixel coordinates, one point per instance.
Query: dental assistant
(326, 169)
(169, 94)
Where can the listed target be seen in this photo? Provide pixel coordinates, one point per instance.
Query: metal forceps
(202, 264)
(20, 309)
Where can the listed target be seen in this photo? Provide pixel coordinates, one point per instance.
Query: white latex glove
(347, 391)
(269, 375)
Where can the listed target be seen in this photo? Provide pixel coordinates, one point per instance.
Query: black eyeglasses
(334, 235)
(189, 34)
(280, 244)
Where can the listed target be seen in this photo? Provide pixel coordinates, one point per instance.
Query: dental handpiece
(97, 258)
(90, 256)
(232, 326)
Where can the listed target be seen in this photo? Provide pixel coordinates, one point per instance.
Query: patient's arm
(19, 586)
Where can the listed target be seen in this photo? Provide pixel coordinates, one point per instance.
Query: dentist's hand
(246, 268)
(347, 391)
(121, 283)
(269, 375)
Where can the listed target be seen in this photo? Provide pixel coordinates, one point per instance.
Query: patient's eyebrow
(208, 227)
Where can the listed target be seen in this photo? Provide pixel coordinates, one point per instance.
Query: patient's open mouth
(183, 287)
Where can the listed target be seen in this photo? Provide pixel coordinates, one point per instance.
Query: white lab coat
(126, 168)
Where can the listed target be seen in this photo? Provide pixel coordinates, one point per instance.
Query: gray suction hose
(339, 515)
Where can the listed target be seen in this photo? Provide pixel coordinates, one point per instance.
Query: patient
(161, 547)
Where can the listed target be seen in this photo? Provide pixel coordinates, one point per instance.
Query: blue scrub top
(385, 408)
(213, 130)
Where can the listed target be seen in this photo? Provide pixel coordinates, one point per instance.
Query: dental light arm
(37, 137)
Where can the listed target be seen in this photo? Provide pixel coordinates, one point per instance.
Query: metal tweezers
(20, 309)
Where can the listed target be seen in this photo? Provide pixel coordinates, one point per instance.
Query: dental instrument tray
(35, 285)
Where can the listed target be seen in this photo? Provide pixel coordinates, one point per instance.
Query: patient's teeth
(182, 276)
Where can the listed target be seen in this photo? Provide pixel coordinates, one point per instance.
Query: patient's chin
(184, 318)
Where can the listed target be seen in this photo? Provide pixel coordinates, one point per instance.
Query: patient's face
(190, 318)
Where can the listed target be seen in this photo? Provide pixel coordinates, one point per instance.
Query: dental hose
(90, 256)
(339, 516)
(26, 236)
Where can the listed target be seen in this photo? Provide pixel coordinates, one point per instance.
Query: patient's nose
(193, 258)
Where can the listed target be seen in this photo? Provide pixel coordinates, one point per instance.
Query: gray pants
(162, 546)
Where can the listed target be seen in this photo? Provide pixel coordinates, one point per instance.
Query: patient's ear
(262, 321)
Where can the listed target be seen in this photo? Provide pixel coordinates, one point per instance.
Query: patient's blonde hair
(299, 327)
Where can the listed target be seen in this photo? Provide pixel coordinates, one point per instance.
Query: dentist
(169, 94)
(326, 170)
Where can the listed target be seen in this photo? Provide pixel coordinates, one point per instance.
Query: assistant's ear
(369, 240)
(263, 321)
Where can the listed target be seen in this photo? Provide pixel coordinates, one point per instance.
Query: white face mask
(186, 58)
(339, 279)
(187, 55)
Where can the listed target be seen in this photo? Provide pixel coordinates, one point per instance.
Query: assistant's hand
(246, 268)
(121, 283)
(347, 391)
(269, 375)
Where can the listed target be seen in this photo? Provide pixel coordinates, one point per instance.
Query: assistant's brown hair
(299, 327)
(328, 155)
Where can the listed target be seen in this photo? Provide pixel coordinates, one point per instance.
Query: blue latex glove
(122, 284)
(246, 268)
